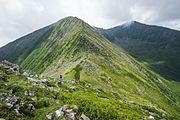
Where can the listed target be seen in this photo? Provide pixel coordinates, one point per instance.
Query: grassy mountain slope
(18, 50)
(92, 101)
(112, 84)
(157, 47)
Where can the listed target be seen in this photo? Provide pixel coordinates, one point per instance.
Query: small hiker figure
(60, 81)
(60, 77)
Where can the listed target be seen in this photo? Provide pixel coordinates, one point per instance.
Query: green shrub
(15, 88)
(42, 103)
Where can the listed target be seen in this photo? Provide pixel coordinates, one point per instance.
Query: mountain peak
(69, 19)
(130, 23)
(95, 71)
(69, 22)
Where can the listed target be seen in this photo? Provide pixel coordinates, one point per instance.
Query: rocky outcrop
(11, 101)
(68, 112)
(10, 67)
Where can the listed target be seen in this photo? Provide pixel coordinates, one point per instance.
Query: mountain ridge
(75, 50)
(140, 23)
(157, 47)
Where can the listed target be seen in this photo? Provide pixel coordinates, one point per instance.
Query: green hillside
(110, 84)
(157, 47)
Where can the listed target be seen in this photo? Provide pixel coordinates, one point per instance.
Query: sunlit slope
(74, 49)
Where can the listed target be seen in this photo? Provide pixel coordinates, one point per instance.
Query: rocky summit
(71, 70)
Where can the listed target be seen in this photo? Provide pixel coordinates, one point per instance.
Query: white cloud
(142, 14)
(19, 17)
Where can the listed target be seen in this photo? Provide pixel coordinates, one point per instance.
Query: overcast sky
(19, 17)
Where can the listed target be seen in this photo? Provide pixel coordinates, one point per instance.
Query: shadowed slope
(157, 47)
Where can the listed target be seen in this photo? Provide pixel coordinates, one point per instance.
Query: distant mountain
(110, 84)
(155, 46)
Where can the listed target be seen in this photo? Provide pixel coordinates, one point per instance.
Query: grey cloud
(19, 17)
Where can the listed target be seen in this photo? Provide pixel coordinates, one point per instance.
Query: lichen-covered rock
(69, 112)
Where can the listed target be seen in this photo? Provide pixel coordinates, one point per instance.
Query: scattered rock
(36, 75)
(46, 83)
(11, 101)
(3, 96)
(69, 112)
(87, 85)
(84, 117)
(74, 81)
(50, 89)
(34, 82)
(30, 93)
(151, 117)
(59, 82)
(31, 75)
(17, 108)
(72, 88)
(2, 77)
(25, 74)
(30, 107)
(30, 79)
(10, 66)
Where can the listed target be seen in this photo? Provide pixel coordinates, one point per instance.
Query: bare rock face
(69, 112)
